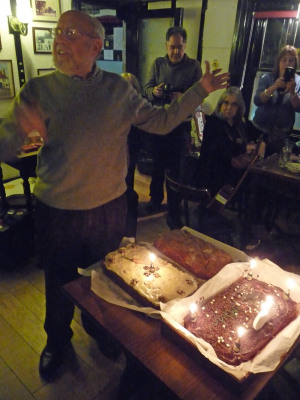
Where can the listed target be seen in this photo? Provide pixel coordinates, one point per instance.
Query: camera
(168, 89)
(289, 73)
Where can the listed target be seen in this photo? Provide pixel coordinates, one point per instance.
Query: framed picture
(42, 40)
(7, 87)
(45, 10)
(45, 71)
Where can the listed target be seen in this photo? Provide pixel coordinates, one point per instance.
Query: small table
(281, 187)
(267, 173)
(141, 336)
(25, 163)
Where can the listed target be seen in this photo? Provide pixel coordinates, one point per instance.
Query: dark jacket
(179, 76)
(220, 143)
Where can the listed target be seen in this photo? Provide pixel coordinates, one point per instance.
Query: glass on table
(284, 156)
(289, 145)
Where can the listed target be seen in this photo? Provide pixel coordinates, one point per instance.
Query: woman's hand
(279, 84)
(250, 148)
(291, 86)
(268, 92)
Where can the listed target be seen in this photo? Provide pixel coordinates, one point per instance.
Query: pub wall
(217, 41)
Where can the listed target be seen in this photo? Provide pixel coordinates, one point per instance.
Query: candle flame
(152, 257)
(290, 283)
(241, 330)
(265, 307)
(252, 263)
(193, 308)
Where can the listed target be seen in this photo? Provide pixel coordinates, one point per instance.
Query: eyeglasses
(70, 33)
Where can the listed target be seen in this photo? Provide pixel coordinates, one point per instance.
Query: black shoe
(50, 361)
(174, 222)
(153, 207)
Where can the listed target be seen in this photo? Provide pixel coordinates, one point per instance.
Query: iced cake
(148, 278)
(239, 321)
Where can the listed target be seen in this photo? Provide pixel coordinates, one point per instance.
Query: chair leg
(186, 212)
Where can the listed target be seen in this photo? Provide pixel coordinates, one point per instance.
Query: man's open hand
(213, 80)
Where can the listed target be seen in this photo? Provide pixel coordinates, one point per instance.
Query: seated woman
(224, 139)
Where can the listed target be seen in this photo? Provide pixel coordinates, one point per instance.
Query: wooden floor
(86, 374)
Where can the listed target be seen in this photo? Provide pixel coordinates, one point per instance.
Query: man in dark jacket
(170, 77)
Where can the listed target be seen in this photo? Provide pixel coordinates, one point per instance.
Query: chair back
(189, 193)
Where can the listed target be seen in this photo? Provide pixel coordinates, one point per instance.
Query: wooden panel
(11, 387)
(19, 355)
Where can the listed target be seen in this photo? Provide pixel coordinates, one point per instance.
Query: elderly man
(84, 115)
(170, 76)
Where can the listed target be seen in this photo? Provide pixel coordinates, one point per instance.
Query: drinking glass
(284, 156)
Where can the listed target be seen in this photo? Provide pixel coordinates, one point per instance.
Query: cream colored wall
(8, 50)
(218, 33)
(152, 34)
(218, 36)
(32, 61)
(191, 22)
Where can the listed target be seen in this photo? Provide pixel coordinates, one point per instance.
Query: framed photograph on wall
(7, 86)
(42, 40)
(45, 10)
(44, 71)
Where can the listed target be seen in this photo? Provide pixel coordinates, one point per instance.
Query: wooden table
(25, 163)
(141, 336)
(278, 186)
(268, 174)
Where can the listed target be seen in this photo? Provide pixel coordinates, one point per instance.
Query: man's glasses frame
(70, 33)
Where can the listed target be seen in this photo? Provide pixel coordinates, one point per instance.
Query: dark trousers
(168, 152)
(66, 240)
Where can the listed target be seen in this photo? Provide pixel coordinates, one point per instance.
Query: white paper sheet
(267, 360)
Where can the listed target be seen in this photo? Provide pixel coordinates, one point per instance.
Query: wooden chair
(16, 227)
(188, 193)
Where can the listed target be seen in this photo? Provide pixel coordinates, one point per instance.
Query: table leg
(27, 192)
(3, 201)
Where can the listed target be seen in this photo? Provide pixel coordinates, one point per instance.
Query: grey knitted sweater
(83, 164)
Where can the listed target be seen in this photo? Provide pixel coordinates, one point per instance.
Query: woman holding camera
(277, 100)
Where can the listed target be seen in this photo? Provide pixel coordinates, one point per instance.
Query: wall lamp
(16, 26)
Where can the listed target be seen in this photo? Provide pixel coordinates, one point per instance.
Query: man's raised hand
(213, 80)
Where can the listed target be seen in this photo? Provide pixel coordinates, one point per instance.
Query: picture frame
(44, 71)
(7, 86)
(45, 10)
(42, 40)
